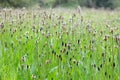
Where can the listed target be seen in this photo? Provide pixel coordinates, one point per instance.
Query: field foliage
(59, 44)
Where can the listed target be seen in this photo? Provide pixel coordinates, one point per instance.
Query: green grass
(59, 44)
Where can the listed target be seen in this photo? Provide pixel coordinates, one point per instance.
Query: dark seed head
(113, 64)
(98, 69)
(84, 69)
(118, 39)
(67, 53)
(103, 54)
(77, 63)
(65, 44)
(74, 61)
(105, 73)
(1, 25)
(109, 59)
(73, 56)
(53, 52)
(111, 30)
(90, 55)
(69, 47)
(70, 59)
(64, 50)
(60, 57)
(94, 65)
(62, 43)
(109, 76)
(78, 41)
(47, 61)
(101, 66)
(23, 59)
(28, 66)
(85, 47)
(106, 37)
(51, 78)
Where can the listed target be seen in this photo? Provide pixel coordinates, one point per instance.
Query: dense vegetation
(59, 44)
(64, 3)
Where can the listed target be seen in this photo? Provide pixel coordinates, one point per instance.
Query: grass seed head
(98, 68)
(28, 67)
(70, 59)
(33, 77)
(112, 30)
(79, 9)
(105, 73)
(53, 51)
(109, 59)
(116, 46)
(118, 39)
(101, 65)
(2, 25)
(78, 41)
(23, 59)
(106, 37)
(109, 76)
(94, 33)
(67, 53)
(47, 61)
(22, 66)
(94, 65)
(113, 64)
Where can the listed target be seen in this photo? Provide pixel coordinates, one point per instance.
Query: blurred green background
(61, 3)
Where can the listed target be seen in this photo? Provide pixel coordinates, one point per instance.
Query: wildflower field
(59, 44)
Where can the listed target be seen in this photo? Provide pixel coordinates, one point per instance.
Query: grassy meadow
(59, 44)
